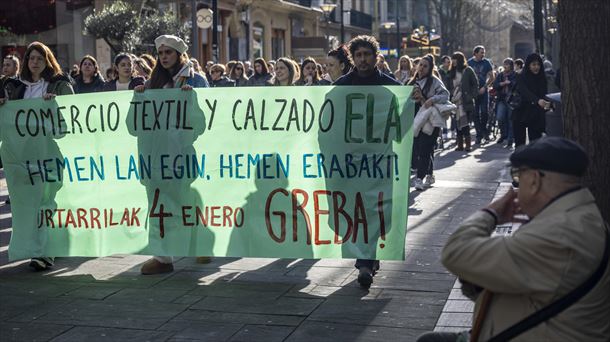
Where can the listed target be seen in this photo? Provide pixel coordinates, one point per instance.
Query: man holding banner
(363, 53)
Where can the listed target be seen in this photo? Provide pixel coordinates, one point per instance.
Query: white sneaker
(418, 184)
(429, 181)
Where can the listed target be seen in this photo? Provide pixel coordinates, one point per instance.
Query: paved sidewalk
(248, 299)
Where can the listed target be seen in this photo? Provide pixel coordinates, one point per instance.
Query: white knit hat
(172, 41)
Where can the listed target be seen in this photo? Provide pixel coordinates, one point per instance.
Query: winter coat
(470, 88)
(58, 85)
(224, 81)
(437, 92)
(135, 81)
(259, 80)
(80, 87)
(376, 78)
(542, 261)
(530, 93)
(504, 91)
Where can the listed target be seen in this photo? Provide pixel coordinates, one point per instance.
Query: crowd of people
(473, 87)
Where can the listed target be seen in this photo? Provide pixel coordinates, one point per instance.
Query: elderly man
(563, 246)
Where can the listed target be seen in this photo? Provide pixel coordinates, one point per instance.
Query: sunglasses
(515, 172)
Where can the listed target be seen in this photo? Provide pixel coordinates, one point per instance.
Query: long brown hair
(92, 60)
(291, 66)
(161, 76)
(316, 76)
(52, 68)
(233, 71)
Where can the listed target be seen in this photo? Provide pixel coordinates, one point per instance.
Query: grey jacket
(437, 92)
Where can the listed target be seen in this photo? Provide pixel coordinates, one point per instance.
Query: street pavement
(254, 299)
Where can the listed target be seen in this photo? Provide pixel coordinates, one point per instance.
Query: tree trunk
(585, 32)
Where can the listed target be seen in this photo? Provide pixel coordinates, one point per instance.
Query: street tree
(583, 29)
(114, 24)
(133, 27)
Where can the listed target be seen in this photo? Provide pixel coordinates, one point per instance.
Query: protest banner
(295, 172)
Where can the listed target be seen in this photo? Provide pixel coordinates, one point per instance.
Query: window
(277, 44)
(392, 9)
(258, 40)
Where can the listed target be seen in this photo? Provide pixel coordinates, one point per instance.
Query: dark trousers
(370, 264)
(463, 132)
(534, 131)
(480, 115)
(425, 144)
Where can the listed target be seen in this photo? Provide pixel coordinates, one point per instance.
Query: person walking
(403, 72)
(430, 91)
(172, 70)
(219, 79)
(261, 76)
(484, 71)
(363, 52)
(238, 74)
(309, 73)
(40, 77)
(337, 65)
(89, 79)
(285, 72)
(528, 115)
(464, 88)
(125, 71)
(503, 85)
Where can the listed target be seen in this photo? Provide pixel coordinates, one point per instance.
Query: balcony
(309, 42)
(360, 19)
(304, 3)
(356, 18)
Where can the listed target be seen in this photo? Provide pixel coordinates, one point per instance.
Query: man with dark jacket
(363, 52)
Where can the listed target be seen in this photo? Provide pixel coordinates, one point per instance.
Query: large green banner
(296, 172)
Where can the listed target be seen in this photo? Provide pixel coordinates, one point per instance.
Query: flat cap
(552, 154)
(174, 42)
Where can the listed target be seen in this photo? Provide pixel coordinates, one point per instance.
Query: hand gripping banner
(290, 172)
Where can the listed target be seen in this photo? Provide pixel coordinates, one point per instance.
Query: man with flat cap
(562, 249)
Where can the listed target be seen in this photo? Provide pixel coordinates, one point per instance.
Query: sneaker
(429, 181)
(154, 266)
(42, 263)
(418, 184)
(477, 141)
(500, 141)
(365, 277)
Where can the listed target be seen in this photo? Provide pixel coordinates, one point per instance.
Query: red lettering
(185, 216)
(95, 214)
(125, 218)
(296, 206)
(338, 210)
(360, 217)
(240, 211)
(200, 217)
(134, 217)
(214, 216)
(317, 213)
(276, 213)
(381, 215)
(59, 211)
(81, 216)
(226, 216)
(70, 219)
(49, 217)
(112, 223)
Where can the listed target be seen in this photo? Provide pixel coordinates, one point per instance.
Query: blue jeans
(505, 120)
(480, 115)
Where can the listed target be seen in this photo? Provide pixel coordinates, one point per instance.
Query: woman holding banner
(261, 76)
(89, 79)
(173, 69)
(285, 72)
(41, 77)
(126, 80)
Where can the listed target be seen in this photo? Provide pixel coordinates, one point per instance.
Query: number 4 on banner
(161, 214)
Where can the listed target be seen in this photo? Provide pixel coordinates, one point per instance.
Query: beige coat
(542, 261)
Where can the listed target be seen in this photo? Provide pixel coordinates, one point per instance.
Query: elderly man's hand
(507, 207)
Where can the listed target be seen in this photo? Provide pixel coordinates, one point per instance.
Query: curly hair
(363, 41)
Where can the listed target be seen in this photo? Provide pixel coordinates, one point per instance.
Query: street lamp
(327, 9)
(388, 25)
